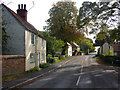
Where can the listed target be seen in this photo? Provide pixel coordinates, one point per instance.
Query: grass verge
(62, 59)
(7, 78)
(108, 60)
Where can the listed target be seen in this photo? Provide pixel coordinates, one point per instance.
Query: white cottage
(24, 39)
(69, 51)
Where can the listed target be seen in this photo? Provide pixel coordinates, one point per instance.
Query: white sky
(39, 13)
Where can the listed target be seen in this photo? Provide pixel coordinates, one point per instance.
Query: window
(32, 57)
(36, 40)
(32, 38)
(43, 56)
(42, 43)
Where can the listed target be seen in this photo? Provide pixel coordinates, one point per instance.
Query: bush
(110, 59)
(44, 65)
(36, 68)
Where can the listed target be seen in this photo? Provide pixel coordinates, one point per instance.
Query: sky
(38, 10)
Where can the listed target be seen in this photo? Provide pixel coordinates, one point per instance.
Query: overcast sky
(38, 14)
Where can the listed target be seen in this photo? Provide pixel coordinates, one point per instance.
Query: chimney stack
(22, 12)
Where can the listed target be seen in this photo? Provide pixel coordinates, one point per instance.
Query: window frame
(43, 57)
(42, 43)
(32, 58)
(32, 39)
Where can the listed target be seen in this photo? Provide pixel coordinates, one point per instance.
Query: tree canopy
(62, 21)
(100, 18)
(86, 44)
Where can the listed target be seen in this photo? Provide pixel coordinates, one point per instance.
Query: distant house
(75, 47)
(71, 47)
(24, 39)
(116, 48)
(106, 48)
(69, 51)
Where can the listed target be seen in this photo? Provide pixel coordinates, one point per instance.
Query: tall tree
(98, 16)
(62, 21)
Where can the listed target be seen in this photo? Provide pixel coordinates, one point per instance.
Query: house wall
(106, 48)
(29, 48)
(35, 48)
(15, 30)
(69, 50)
(41, 49)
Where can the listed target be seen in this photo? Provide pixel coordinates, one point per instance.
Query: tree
(62, 21)
(101, 38)
(87, 15)
(86, 44)
(53, 45)
(100, 17)
(115, 34)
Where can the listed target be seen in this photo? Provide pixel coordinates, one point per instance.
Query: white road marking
(80, 74)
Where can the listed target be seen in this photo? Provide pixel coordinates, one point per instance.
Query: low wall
(13, 64)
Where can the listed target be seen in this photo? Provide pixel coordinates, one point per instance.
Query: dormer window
(32, 38)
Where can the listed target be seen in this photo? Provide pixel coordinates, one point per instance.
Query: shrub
(44, 65)
(36, 68)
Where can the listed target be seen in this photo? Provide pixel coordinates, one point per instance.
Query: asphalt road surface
(81, 72)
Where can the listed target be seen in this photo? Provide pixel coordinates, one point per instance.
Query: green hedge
(110, 59)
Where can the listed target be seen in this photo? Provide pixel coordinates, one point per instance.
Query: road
(82, 72)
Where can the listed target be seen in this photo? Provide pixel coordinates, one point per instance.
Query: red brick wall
(13, 64)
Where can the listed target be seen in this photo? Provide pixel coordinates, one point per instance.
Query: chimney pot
(21, 11)
(21, 6)
(25, 6)
(18, 6)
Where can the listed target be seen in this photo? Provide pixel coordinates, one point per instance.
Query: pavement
(30, 77)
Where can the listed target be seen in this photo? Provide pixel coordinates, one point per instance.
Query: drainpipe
(36, 54)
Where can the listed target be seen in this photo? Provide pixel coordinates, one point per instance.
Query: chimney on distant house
(21, 11)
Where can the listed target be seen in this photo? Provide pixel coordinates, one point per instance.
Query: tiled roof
(26, 24)
(116, 47)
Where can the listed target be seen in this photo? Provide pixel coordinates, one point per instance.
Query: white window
(43, 56)
(32, 38)
(32, 57)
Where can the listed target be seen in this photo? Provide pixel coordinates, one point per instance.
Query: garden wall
(13, 64)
